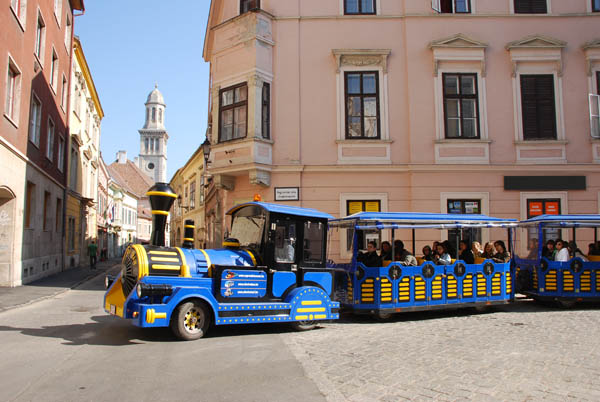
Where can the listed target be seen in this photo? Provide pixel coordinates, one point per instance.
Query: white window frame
(60, 158)
(437, 7)
(58, 11)
(377, 10)
(35, 128)
(68, 32)
(50, 135)
(42, 38)
(511, 5)
(64, 95)
(12, 112)
(54, 67)
(344, 198)
(21, 14)
(594, 100)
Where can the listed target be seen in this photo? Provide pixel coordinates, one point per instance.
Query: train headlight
(138, 290)
(108, 281)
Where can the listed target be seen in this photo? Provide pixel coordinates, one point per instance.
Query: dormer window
(249, 5)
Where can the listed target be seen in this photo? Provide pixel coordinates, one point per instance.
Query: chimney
(122, 157)
(162, 198)
(188, 234)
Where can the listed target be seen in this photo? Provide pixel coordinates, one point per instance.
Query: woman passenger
(575, 251)
(532, 246)
(502, 255)
(562, 254)
(550, 250)
(442, 257)
(465, 253)
(591, 249)
(488, 251)
(386, 251)
(427, 254)
(476, 249)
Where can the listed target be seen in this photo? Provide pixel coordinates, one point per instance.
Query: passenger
(562, 254)
(532, 246)
(465, 253)
(406, 258)
(476, 249)
(502, 255)
(434, 248)
(488, 251)
(592, 249)
(386, 251)
(442, 257)
(427, 253)
(370, 258)
(550, 250)
(575, 251)
(449, 247)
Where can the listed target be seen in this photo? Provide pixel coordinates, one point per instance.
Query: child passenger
(476, 249)
(488, 251)
(427, 254)
(465, 253)
(442, 257)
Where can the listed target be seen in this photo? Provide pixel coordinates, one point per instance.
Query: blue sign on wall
(239, 284)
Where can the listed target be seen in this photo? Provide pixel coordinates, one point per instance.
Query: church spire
(153, 138)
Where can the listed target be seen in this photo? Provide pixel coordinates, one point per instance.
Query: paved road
(520, 352)
(67, 349)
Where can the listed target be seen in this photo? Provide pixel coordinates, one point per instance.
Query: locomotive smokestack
(188, 234)
(161, 197)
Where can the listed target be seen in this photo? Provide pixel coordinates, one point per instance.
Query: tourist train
(274, 267)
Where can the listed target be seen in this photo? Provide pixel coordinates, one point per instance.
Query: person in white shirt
(563, 252)
(442, 257)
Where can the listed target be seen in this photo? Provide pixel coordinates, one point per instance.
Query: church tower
(153, 139)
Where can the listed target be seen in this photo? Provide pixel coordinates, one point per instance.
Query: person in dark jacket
(549, 250)
(386, 251)
(465, 253)
(427, 253)
(370, 258)
(502, 254)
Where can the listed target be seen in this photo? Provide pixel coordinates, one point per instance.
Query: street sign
(287, 193)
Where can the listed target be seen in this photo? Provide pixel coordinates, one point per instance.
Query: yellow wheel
(190, 321)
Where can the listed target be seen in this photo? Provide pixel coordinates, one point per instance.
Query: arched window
(160, 115)
(154, 115)
(147, 113)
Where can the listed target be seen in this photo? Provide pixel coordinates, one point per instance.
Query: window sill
(243, 140)
(541, 142)
(39, 61)
(364, 141)
(21, 25)
(463, 141)
(14, 123)
(34, 144)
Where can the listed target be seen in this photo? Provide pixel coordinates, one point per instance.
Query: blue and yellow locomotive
(272, 268)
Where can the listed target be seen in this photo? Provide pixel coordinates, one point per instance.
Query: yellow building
(188, 183)
(84, 144)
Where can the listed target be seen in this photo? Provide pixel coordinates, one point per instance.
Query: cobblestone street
(518, 352)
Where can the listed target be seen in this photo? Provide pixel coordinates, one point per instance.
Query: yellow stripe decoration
(161, 193)
(164, 259)
(188, 239)
(302, 317)
(156, 212)
(166, 267)
(311, 302)
(311, 310)
(185, 269)
(163, 252)
(320, 316)
(189, 226)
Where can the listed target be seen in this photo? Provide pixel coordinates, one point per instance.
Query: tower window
(151, 166)
(160, 115)
(146, 145)
(154, 115)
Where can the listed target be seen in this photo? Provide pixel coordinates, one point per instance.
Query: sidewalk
(52, 285)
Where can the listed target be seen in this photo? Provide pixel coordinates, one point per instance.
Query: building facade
(466, 106)
(102, 208)
(153, 139)
(188, 184)
(36, 51)
(82, 173)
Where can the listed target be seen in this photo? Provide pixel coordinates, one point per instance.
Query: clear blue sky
(129, 45)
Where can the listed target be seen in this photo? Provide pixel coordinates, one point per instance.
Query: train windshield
(248, 230)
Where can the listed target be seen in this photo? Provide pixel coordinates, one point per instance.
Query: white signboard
(287, 193)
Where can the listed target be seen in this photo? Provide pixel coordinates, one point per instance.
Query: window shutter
(539, 6)
(595, 115)
(538, 107)
(521, 6)
(435, 5)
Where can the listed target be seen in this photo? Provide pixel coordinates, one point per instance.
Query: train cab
(271, 268)
(574, 279)
(399, 283)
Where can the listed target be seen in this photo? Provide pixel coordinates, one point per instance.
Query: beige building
(188, 183)
(469, 106)
(84, 143)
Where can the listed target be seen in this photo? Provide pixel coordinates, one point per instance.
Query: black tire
(482, 309)
(566, 304)
(383, 316)
(190, 321)
(304, 325)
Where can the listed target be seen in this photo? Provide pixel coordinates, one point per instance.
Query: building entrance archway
(7, 234)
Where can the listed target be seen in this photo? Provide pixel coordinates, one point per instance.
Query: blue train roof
(591, 220)
(395, 220)
(283, 209)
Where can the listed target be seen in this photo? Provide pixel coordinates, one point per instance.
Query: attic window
(249, 5)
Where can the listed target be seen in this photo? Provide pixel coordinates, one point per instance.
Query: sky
(132, 44)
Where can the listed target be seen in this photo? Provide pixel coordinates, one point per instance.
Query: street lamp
(206, 151)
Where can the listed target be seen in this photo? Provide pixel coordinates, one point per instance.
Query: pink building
(395, 105)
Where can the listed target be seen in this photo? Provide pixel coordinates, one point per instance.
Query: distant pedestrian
(92, 252)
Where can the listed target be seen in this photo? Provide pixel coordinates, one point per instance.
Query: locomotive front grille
(508, 283)
(497, 284)
(481, 285)
(437, 287)
(386, 290)
(420, 289)
(130, 270)
(367, 294)
(451, 287)
(568, 281)
(404, 289)
(468, 286)
(551, 285)
(585, 281)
